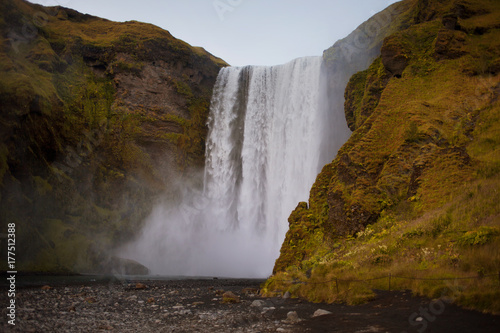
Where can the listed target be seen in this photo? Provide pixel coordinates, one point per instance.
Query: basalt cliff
(412, 199)
(98, 118)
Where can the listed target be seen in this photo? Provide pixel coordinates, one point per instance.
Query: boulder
(230, 298)
(258, 304)
(292, 317)
(140, 286)
(395, 57)
(321, 312)
(121, 266)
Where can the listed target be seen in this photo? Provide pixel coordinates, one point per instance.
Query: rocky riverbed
(222, 305)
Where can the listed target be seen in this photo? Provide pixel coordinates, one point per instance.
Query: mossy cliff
(97, 119)
(415, 191)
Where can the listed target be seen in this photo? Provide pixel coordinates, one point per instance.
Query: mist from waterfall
(270, 132)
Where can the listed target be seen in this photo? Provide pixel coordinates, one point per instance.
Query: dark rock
(347, 219)
(121, 266)
(450, 22)
(140, 286)
(450, 44)
(494, 67)
(230, 298)
(395, 57)
(465, 9)
(424, 11)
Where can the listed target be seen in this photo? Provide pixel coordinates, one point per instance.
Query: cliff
(97, 120)
(413, 194)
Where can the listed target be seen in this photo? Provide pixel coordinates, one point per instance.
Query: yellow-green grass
(460, 240)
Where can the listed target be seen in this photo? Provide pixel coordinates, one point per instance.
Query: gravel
(197, 306)
(145, 306)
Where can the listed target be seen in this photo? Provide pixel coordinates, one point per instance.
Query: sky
(242, 32)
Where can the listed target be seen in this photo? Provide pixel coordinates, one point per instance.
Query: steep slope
(414, 192)
(97, 119)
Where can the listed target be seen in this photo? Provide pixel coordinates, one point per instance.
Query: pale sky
(242, 32)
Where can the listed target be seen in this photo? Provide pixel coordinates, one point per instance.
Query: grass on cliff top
(64, 24)
(104, 33)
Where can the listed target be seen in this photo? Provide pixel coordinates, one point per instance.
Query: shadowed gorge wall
(97, 119)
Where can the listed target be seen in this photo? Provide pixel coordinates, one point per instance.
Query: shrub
(481, 236)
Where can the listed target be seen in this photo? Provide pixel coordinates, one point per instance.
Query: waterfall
(269, 135)
(263, 145)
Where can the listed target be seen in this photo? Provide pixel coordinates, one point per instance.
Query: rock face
(343, 59)
(415, 113)
(98, 118)
(450, 44)
(394, 55)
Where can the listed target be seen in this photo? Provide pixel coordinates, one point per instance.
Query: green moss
(481, 236)
(183, 89)
(423, 160)
(354, 96)
(124, 66)
(64, 250)
(411, 134)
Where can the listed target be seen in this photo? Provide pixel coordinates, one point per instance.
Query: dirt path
(196, 306)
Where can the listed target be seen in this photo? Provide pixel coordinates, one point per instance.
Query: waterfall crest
(269, 132)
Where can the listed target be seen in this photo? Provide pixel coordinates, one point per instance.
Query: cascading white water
(265, 147)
